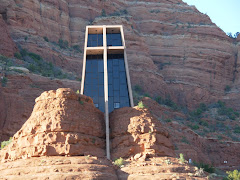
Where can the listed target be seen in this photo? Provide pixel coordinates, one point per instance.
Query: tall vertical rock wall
(173, 49)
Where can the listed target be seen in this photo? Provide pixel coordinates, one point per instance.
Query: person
(190, 161)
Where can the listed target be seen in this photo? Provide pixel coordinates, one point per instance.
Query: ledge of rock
(135, 132)
(62, 123)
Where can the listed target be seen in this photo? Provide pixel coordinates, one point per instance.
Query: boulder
(62, 123)
(134, 131)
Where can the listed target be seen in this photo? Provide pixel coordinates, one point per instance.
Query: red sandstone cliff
(183, 53)
(172, 49)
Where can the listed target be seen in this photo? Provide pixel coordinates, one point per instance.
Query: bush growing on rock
(140, 105)
(119, 162)
(237, 130)
(223, 110)
(77, 48)
(227, 88)
(46, 39)
(233, 175)
(5, 143)
(103, 14)
(206, 167)
(4, 81)
(17, 55)
(181, 158)
(63, 44)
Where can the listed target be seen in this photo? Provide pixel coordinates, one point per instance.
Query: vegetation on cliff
(34, 63)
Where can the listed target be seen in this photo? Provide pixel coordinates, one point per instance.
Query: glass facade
(117, 82)
(94, 80)
(93, 84)
(114, 39)
(95, 40)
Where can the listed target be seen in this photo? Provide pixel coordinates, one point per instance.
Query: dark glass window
(114, 39)
(95, 40)
(117, 82)
(116, 105)
(94, 80)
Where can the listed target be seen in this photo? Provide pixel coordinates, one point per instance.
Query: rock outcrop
(17, 99)
(59, 167)
(62, 123)
(88, 167)
(135, 133)
(198, 148)
(173, 49)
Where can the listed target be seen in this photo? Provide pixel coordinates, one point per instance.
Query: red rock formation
(204, 149)
(183, 54)
(17, 99)
(7, 46)
(135, 131)
(62, 123)
(88, 167)
(59, 167)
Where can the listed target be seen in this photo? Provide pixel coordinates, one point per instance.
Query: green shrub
(147, 95)
(17, 55)
(203, 107)
(168, 120)
(159, 100)
(34, 56)
(32, 68)
(63, 44)
(4, 81)
(184, 140)
(206, 167)
(25, 38)
(194, 127)
(77, 48)
(81, 102)
(223, 110)
(5, 143)
(237, 130)
(24, 52)
(119, 162)
(198, 112)
(141, 105)
(46, 39)
(119, 13)
(138, 89)
(203, 123)
(233, 175)
(227, 88)
(236, 114)
(103, 13)
(168, 102)
(78, 92)
(181, 158)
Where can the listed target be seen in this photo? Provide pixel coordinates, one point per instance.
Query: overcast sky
(224, 13)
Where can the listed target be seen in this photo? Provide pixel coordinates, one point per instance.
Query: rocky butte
(64, 123)
(176, 55)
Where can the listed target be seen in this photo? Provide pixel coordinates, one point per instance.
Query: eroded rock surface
(17, 99)
(134, 132)
(198, 148)
(7, 46)
(62, 123)
(59, 167)
(172, 48)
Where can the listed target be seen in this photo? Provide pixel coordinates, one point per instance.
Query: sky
(224, 13)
